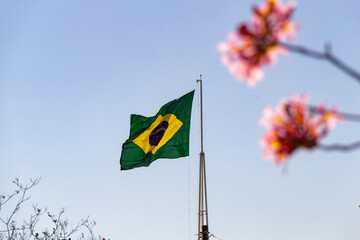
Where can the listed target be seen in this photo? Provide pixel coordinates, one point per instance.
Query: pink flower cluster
(292, 125)
(257, 43)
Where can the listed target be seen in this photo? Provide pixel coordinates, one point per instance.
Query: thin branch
(89, 226)
(2, 220)
(34, 219)
(4, 231)
(10, 225)
(33, 182)
(340, 147)
(325, 55)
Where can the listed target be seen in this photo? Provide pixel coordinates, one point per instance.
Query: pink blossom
(291, 125)
(256, 44)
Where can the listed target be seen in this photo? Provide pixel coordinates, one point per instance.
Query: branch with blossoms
(292, 124)
(256, 44)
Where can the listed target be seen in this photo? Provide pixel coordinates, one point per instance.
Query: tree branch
(59, 226)
(10, 225)
(325, 55)
(340, 147)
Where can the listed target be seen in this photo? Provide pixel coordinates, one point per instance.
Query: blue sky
(72, 72)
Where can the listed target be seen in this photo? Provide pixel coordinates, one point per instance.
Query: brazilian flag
(165, 135)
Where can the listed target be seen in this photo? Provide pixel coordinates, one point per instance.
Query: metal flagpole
(203, 233)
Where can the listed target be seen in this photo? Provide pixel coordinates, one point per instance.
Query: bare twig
(325, 55)
(60, 228)
(340, 147)
(21, 190)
